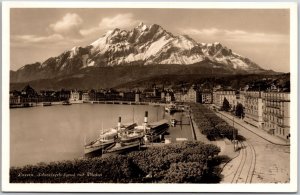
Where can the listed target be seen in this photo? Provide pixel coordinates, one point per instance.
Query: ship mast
(102, 136)
(132, 114)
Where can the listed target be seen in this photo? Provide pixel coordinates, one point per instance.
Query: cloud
(37, 39)
(236, 35)
(69, 29)
(69, 25)
(118, 21)
(107, 23)
(89, 31)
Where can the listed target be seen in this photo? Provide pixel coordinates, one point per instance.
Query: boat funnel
(119, 124)
(145, 120)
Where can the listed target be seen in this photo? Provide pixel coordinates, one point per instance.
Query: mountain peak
(143, 45)
(142, 26)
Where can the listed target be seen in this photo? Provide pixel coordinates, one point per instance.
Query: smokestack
(145, 120)
(119, 124)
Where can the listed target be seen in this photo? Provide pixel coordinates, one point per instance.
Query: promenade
(259, 132)
(263, 158)
(225, 145)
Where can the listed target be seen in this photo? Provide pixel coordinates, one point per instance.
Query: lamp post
(234, 134)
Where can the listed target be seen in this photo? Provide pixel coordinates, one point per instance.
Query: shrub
(182, 172)
(183, 162)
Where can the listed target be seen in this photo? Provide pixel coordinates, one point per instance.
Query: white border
(6, 186)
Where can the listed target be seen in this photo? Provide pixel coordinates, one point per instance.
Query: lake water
(53, 133)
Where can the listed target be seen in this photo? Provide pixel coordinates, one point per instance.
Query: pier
(126, 102)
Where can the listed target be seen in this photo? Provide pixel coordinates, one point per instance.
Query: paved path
(266, 162)
(225, 145)
(241, 168)
(263, 134)
(182, 130)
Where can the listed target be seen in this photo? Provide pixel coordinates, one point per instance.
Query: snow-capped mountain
(154, 45)
(143, 45)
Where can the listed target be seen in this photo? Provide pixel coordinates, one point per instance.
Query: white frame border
(291, 187)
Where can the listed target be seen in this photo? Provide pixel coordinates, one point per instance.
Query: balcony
(272, 106)
(283, 126)
(265, 119)
(279, 115)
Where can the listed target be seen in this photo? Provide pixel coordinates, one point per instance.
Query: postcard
(149, 96)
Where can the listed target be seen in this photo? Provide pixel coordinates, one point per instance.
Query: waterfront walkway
(259, 132)
(182, 130)
(225, 145)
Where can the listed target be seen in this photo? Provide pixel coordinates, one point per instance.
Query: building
(169, 97)
(86, 97)
(206, 97)
(14, 100)
(253, 108)
(137, 97)
(276, 114)
(75, 96)
(64, 94)
(241, 98)
(219, 95)
(28, 92)
(14, 97)
(192, 95)
(179, 97)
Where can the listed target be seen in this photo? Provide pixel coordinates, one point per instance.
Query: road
(259, 161)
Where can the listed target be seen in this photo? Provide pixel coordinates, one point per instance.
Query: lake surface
(54, 133)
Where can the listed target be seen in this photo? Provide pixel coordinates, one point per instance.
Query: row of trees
(239, 109)
(188, 162)
(211, 125)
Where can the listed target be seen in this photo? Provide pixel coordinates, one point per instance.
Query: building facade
(219, 95)
(192, 95)
(206, 97)
(86, 97)
(253, 108)
(75, 96)
(276, 114)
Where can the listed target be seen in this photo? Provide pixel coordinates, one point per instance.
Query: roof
(157, 123)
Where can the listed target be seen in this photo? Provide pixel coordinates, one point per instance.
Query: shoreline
(35, 104)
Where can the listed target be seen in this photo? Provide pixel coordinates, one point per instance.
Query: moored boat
(128, 138)
(107, 139)
(95, 148)
(23, 105)
(47, 104)
(171, 108)
(153, 131)
(120, 147)
(173, 122)
(156, 130)
(66, 103)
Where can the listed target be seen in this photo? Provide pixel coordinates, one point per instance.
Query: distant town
(268, 110)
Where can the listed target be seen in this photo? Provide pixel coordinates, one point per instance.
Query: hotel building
(276, 113)
(219, 95)
(253, 108)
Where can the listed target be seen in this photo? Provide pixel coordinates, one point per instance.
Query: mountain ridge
(143, 45)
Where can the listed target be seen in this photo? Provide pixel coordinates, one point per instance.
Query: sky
(262, 35)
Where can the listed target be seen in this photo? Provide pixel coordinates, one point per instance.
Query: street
(259, 159)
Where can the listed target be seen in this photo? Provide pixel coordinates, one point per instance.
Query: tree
(181, 172)
(226, 105)
(239, 110)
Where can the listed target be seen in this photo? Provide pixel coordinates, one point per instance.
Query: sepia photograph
(152, 95)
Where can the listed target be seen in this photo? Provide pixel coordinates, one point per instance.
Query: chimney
(119, 124)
